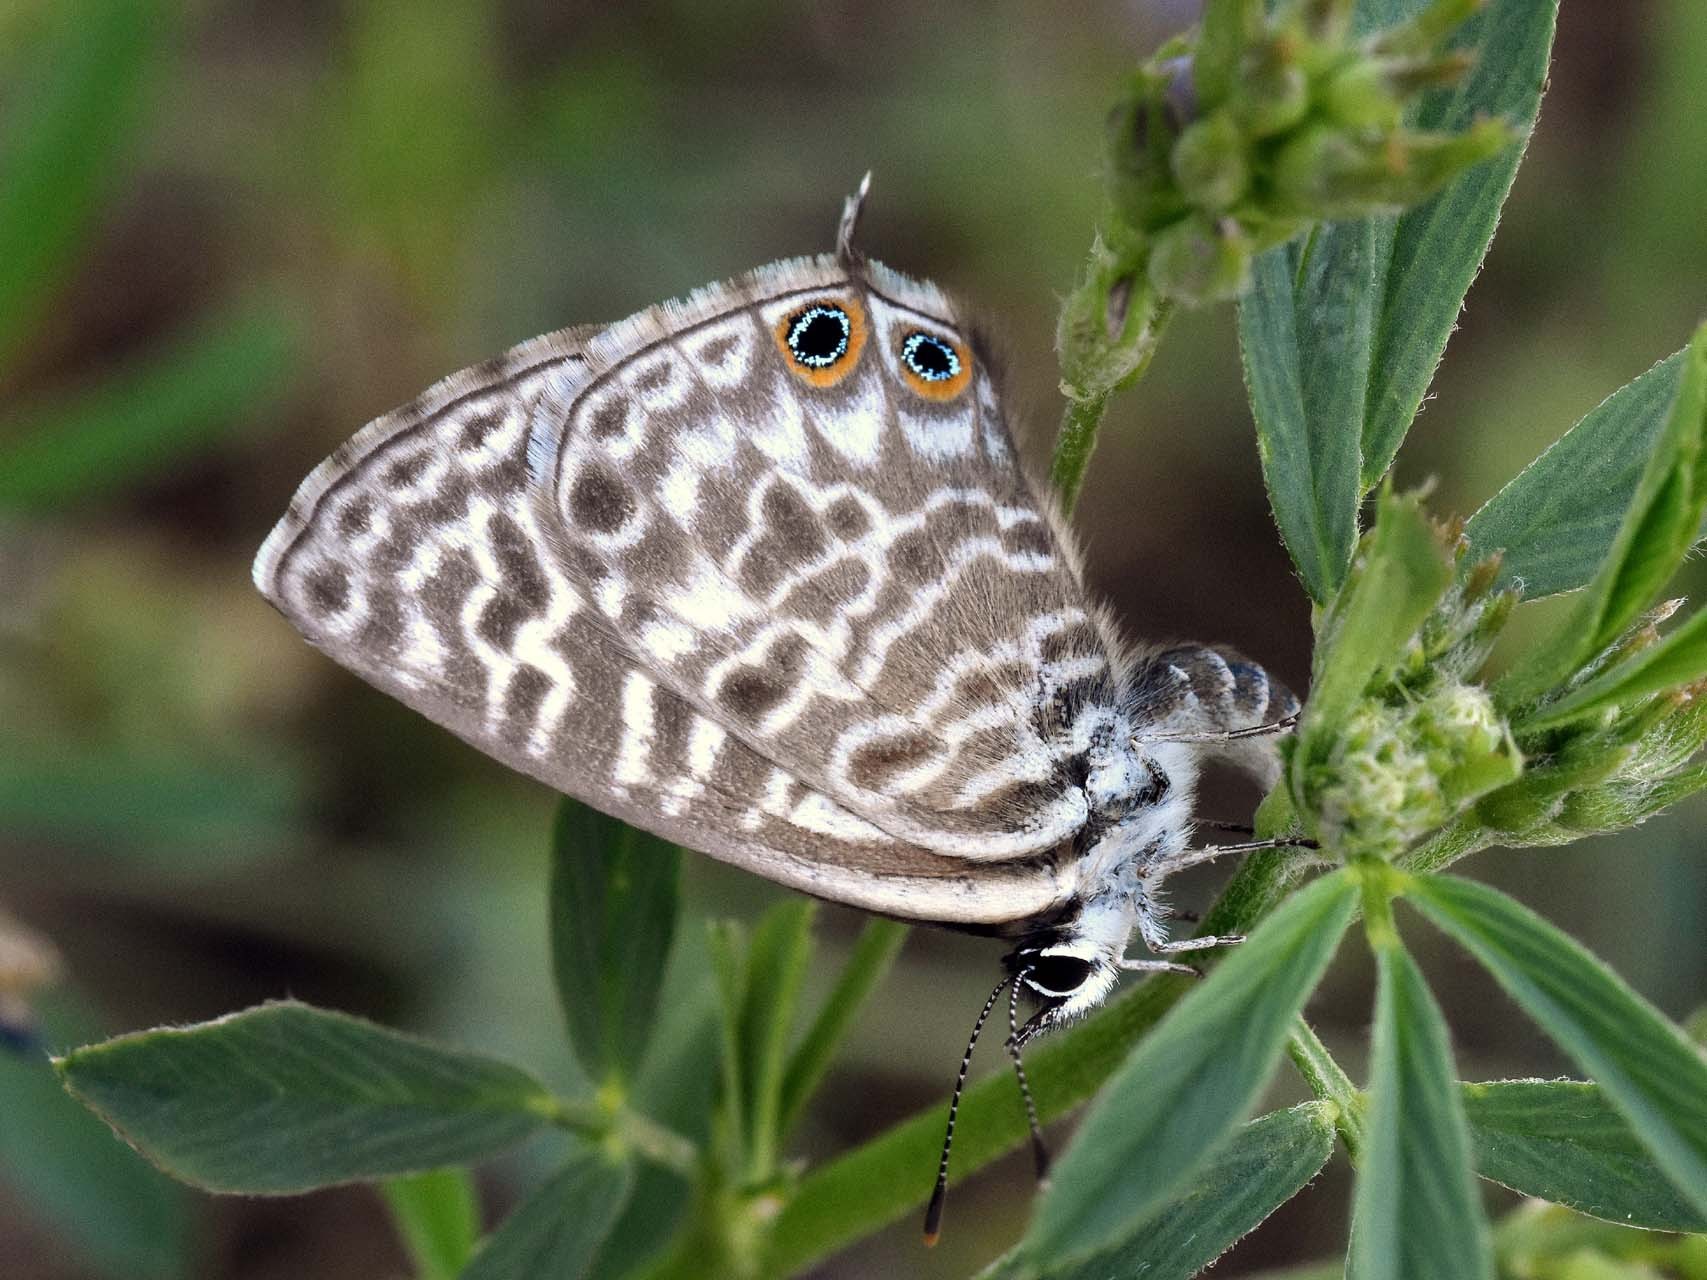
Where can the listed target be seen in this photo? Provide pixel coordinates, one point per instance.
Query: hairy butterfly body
(760, 571)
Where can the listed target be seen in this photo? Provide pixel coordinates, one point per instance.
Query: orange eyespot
(936, 367)
(822, 341)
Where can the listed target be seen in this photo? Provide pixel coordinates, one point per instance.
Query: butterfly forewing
(419, 557)
(852, 575)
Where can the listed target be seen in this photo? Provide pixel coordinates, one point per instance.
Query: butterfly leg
(1131, 964)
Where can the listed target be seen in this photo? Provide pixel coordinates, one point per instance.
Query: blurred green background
(231, 232)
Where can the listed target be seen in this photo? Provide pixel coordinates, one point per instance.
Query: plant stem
(1086, 405)
(1074, 445)
(1329, 1082)
(656, 1143)
(645, 1137)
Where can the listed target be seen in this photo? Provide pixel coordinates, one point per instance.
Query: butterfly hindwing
(420, 557)
(851, 573)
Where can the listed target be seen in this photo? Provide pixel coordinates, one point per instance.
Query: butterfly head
(1067, 973)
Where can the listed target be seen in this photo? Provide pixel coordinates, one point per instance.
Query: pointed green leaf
(879, 943)
(557, 1231)
(284, 1098)
(1191, 1081)
(726, 943)
(1427, 256)
(1305, 334)
(1260, 1168)
(1656, 532)
(1561, 1140)
(1417, 1213)
(613, 911)
(1677, 660)
(438, 1215)
(776, 966)
(1341, 334)
(1555, 520)
(1645, 1065)
(1401, 572)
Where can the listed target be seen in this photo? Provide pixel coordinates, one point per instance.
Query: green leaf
(1191, 1081)
(1427, 256)
(1556, 519)
(71, 116)
(614, 893)
(1646, 1067)
(1400, 574)
(1417, 1213)
(1561, 1140)
(1260, 1168)
(1341, 334)
(284, 1098)
(1656, 533)
(557, 1232)
(99, 1196)
(776, 966)
(438, 1215)
(143, 419)
(1305, 334)
(726, 943)
(879, 943)
(1679, 659)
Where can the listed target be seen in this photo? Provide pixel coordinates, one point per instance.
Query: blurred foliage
(178, 191)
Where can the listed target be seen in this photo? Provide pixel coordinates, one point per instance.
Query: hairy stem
(1329, 1082)
(1086, 405)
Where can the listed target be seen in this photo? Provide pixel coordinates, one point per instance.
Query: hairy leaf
(1555, 520)
(284, 1098)
(1561, 1140)
(1417, 1214)
(1260, 1168)
(1646, 1067)
(557, 1231)
(1191, 1081)
(613, 911)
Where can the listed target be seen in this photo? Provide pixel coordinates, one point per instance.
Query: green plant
(1400, 124)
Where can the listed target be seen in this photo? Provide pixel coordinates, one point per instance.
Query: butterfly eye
(1058, 975)
(936, 367)
(822, 341)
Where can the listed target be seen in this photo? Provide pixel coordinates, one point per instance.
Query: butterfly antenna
(1039, 1152)
(851, 207)
(933, 1214)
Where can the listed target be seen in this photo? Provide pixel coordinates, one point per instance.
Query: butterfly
(760, 571)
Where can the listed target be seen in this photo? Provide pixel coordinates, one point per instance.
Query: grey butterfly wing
(419, 557)
(852, 575)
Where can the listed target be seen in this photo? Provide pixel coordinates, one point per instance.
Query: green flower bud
(1469, 748)
(1142, 129)
(1209, 162)
(1330, 172)
(1272, 92)
(1361, 95)
(1376, 791)
(1197, 261)
(1228, 26)
(1427, 29)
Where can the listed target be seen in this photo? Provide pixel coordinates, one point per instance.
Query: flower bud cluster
(1397, 771)
(1237, 140)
